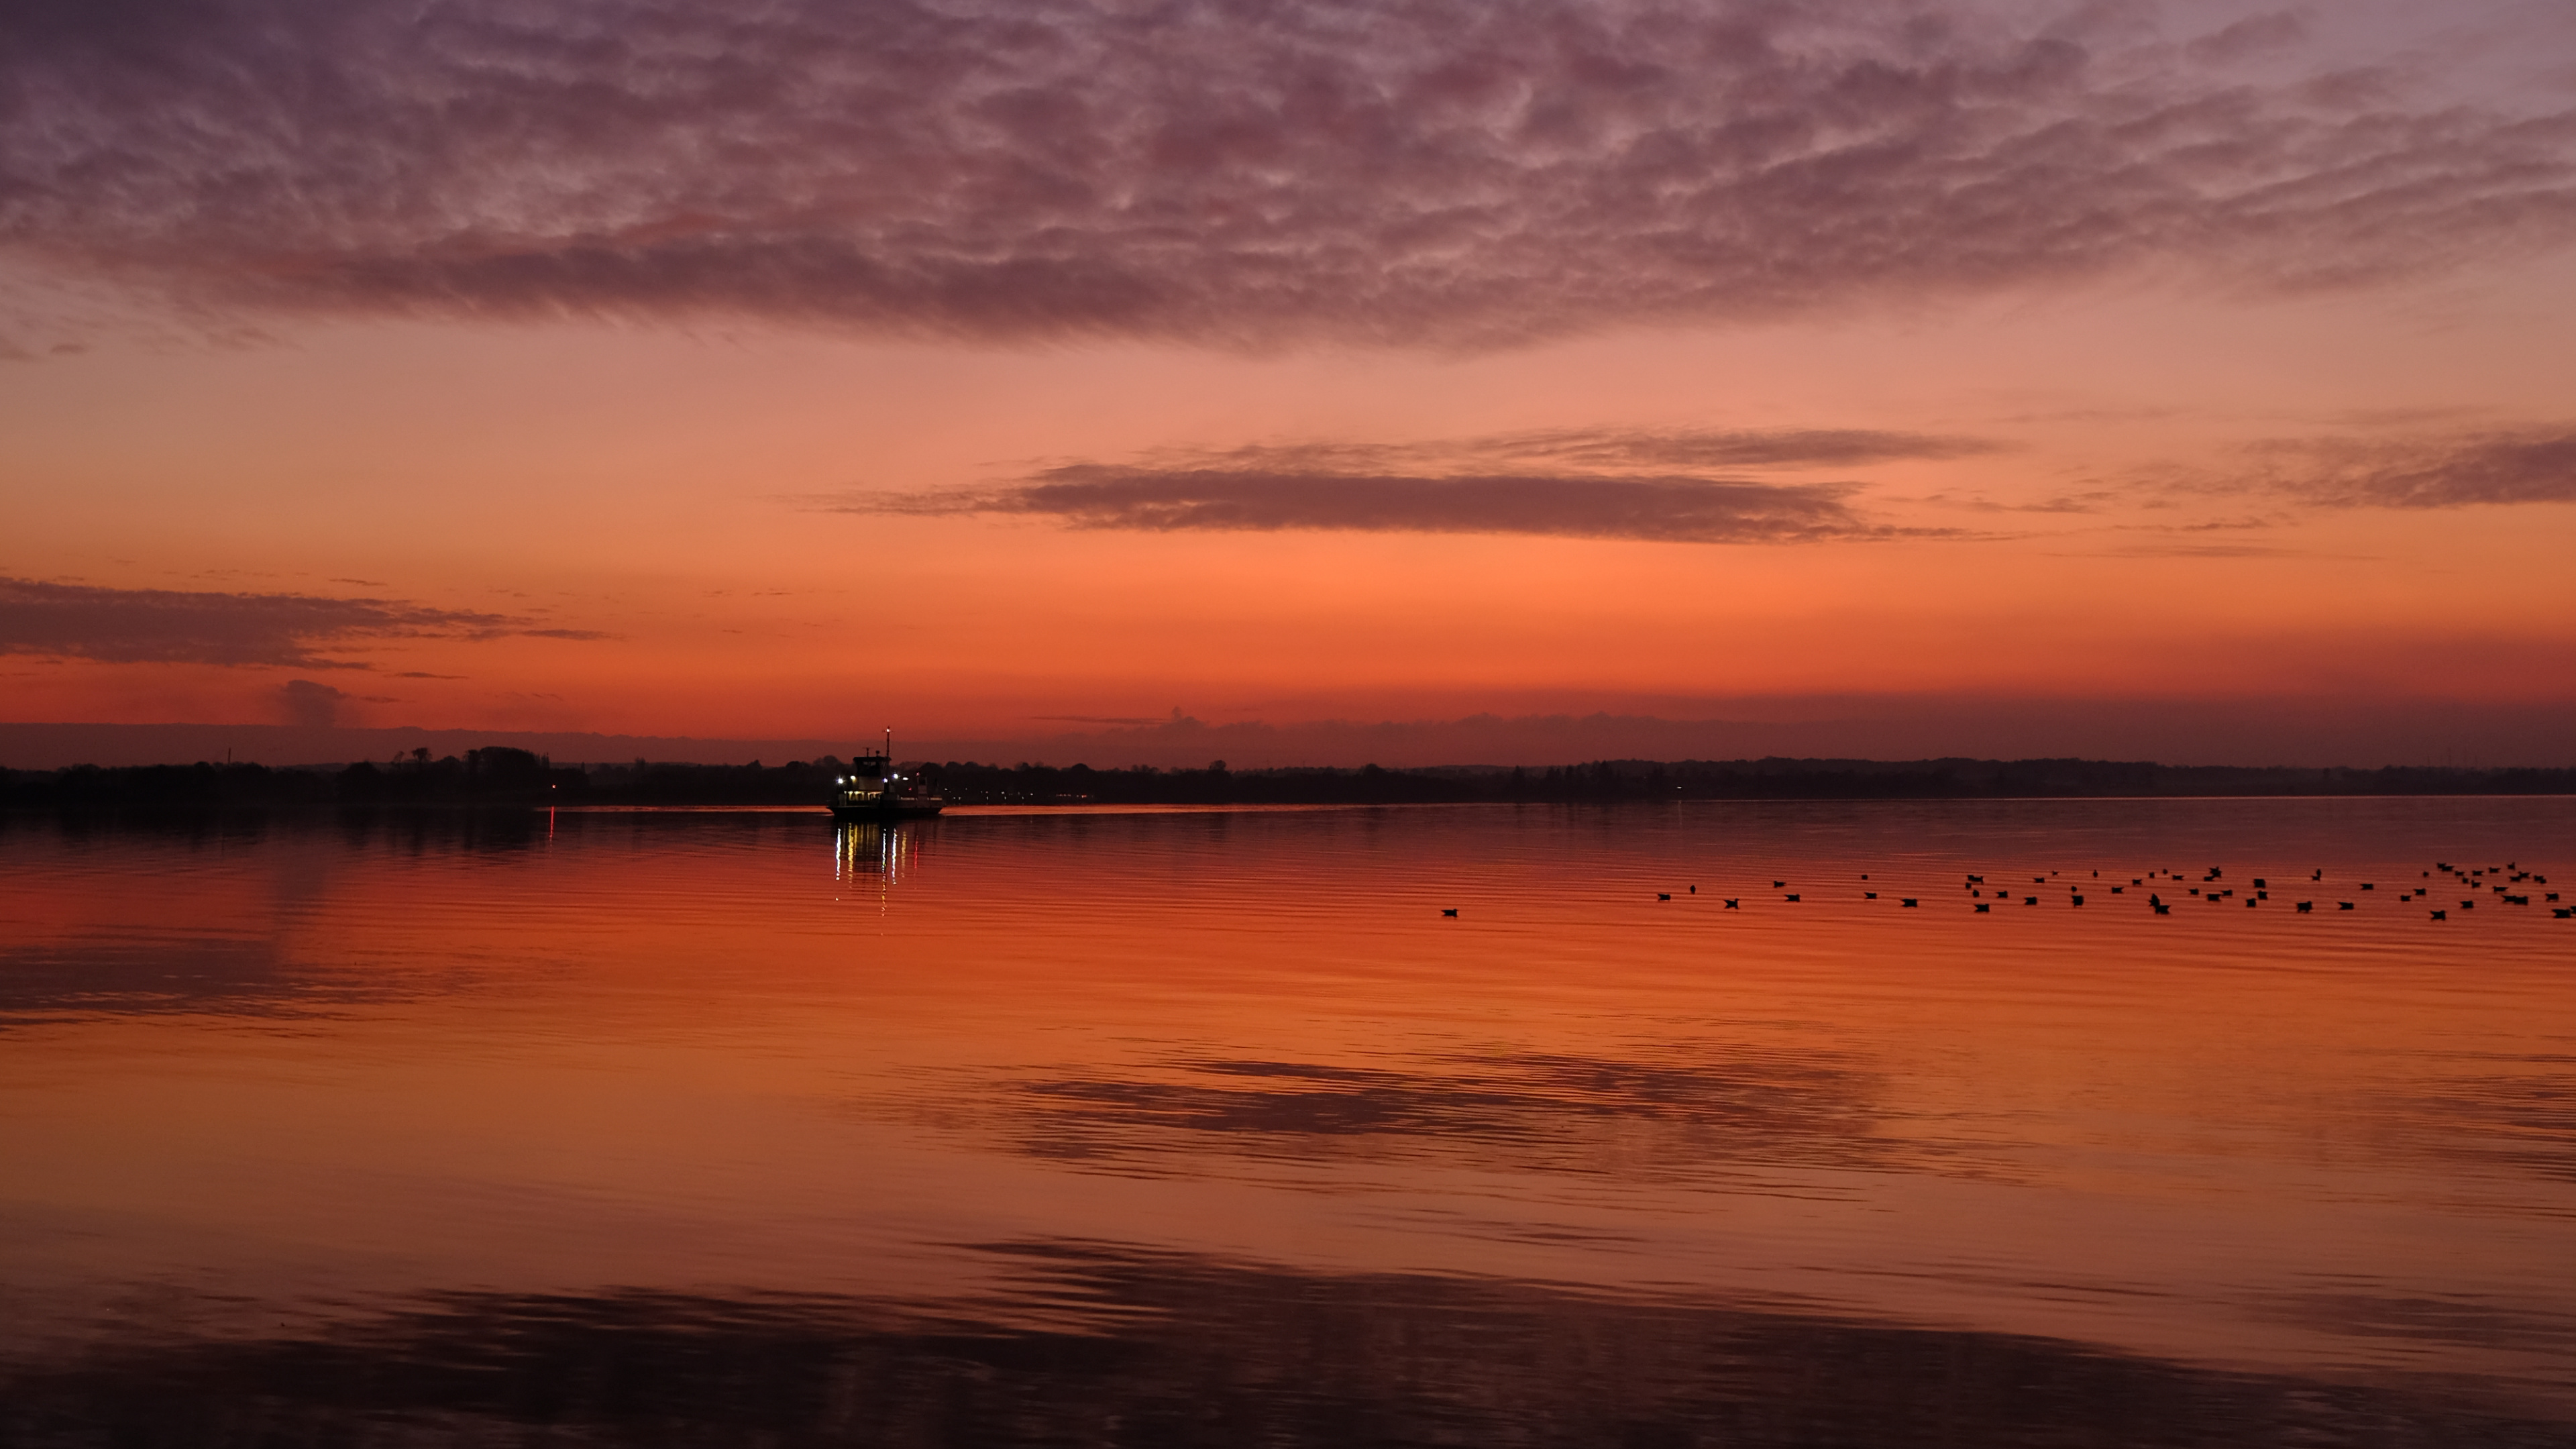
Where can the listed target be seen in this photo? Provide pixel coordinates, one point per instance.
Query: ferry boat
(875, 790)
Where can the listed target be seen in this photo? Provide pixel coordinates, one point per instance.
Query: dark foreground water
(1210, 1128)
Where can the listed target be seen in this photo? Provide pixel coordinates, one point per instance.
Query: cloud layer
(2533, 466)
(1597, 450)
(312, 705)
(1583, 483)
(1445, 172)
(1674, 510)
(129, 626)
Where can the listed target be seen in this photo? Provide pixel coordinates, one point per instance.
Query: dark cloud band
(1566, 483)
(171, 626)
(1675, 510)
(2446, 472)
(1600, 450)
(1450, 172)
(1669, 510)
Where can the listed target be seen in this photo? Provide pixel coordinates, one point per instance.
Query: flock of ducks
(2497, 881)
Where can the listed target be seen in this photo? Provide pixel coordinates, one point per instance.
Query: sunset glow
(2009, 377)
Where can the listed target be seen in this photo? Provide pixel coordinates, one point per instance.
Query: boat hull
(889, 810)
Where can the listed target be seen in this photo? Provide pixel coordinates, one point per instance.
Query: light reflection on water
(1208, 1127)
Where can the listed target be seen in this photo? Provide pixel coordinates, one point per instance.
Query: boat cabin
(866, 784)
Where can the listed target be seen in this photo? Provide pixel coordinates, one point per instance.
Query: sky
(2186, 381)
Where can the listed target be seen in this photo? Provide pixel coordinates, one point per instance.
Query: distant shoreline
(516, 778)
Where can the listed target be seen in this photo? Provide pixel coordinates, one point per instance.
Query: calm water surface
(1205, 1127)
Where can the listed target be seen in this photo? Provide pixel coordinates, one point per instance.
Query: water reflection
(425, 831)
(1658, 1114)
(146, 972)
(1162, 1349)
(879, 850)
(2524, 1119)
(645, 1133)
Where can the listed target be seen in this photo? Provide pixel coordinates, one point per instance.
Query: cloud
(2255, 35)
(171, 626)
(1598, 450)
(2421, 470)
(1673, 510)
(1572, 483)
(2094, 501)
(2204, 550)
(2449, 471)
(304, 702)
(1609, 448)
(1459, 173)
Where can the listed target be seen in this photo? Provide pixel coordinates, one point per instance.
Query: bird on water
(2472, 877)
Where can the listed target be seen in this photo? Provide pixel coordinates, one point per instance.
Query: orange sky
(2327, 460)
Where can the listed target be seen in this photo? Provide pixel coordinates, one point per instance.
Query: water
(1202, 1127)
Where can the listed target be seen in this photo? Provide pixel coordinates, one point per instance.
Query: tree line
(502, 776)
